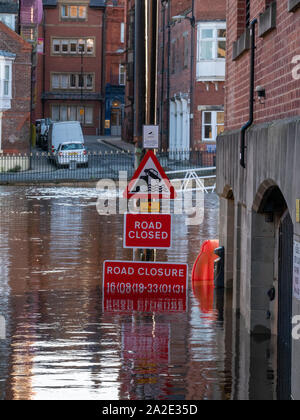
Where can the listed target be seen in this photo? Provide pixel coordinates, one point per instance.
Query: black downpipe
(44, 64)
(163, 5)
(103, 75)
(251, 103)
(168, 76)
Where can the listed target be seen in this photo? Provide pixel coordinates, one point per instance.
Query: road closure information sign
(147, 231)
(150, 136)
(297, 270)
(144, 286)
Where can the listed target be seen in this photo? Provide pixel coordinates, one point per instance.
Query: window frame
(7, 81)
(77, 86)
(215, 27)
(214, 124)
(68, 7)
(122, 33)
(68, 113)
(72, 41)
(122, 74)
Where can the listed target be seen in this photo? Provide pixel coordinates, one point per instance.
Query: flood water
(60, 344)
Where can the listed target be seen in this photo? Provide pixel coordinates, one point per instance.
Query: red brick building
(82, 55)
(128, 121)
(115, 70)
(15, 92)
(191, 74)
(258, 178)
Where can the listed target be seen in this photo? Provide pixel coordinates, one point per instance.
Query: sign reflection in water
(60, 343)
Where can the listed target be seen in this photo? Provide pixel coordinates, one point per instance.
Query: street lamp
(81, 50)
(182, 17)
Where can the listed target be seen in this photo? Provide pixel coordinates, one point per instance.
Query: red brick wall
(16, 121)
(208, 10)
(207, 94)
(114, 17)
(273, 68)
(180, 80)
(180, 6)
(55, 27)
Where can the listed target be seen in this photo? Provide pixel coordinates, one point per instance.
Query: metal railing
(43, 167)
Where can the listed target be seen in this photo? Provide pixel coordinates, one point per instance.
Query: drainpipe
(193, 25)
(251, 103)
(163, 3)
(168, 75)
(44, 63)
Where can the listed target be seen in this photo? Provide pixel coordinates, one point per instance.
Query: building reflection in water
(60, 344)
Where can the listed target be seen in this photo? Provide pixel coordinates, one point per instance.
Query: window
(90, 46)
(9, 20)
(6, 80)
(73, 46)
(122, 32)
(122, 75)
(211, 51)
(212, 125)
(73, 113)
(89, 81)
(65, 46)
(55, 81)
(64, 11)
(186, 51)
(72, 81)
(212, 44)
(56, 46)
(73, 12)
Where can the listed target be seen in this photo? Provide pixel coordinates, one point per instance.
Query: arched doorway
(285, 310)
(272, 277)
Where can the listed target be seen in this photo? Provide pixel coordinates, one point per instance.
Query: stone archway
(271, 276)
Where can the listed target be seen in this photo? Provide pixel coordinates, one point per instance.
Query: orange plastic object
(204, 293)
(203, 270)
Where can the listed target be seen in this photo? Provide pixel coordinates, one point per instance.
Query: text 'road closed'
(148, 231)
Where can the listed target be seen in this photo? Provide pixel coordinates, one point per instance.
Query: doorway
(116, 119)
(285, 284)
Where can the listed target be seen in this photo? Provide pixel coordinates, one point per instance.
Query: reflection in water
(61, 344)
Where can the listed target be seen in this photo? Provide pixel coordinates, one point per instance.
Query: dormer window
(73, 12)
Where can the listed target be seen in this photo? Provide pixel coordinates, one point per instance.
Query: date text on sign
(145, 286)
(147, 231)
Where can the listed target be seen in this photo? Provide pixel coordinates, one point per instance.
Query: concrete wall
(272, 151)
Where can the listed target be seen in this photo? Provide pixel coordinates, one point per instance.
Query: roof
(97, 3)
(7, 54)
(49, 3)
(8, 7)
(13, 35)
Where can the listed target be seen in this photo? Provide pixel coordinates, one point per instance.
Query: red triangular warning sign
(150, 181)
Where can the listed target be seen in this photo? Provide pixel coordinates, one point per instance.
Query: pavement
(114, 142)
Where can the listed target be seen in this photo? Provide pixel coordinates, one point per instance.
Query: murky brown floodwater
(60, 344)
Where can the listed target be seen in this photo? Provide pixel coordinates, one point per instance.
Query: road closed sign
(147, 231)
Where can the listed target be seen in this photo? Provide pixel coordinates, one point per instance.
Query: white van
(64, 132)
